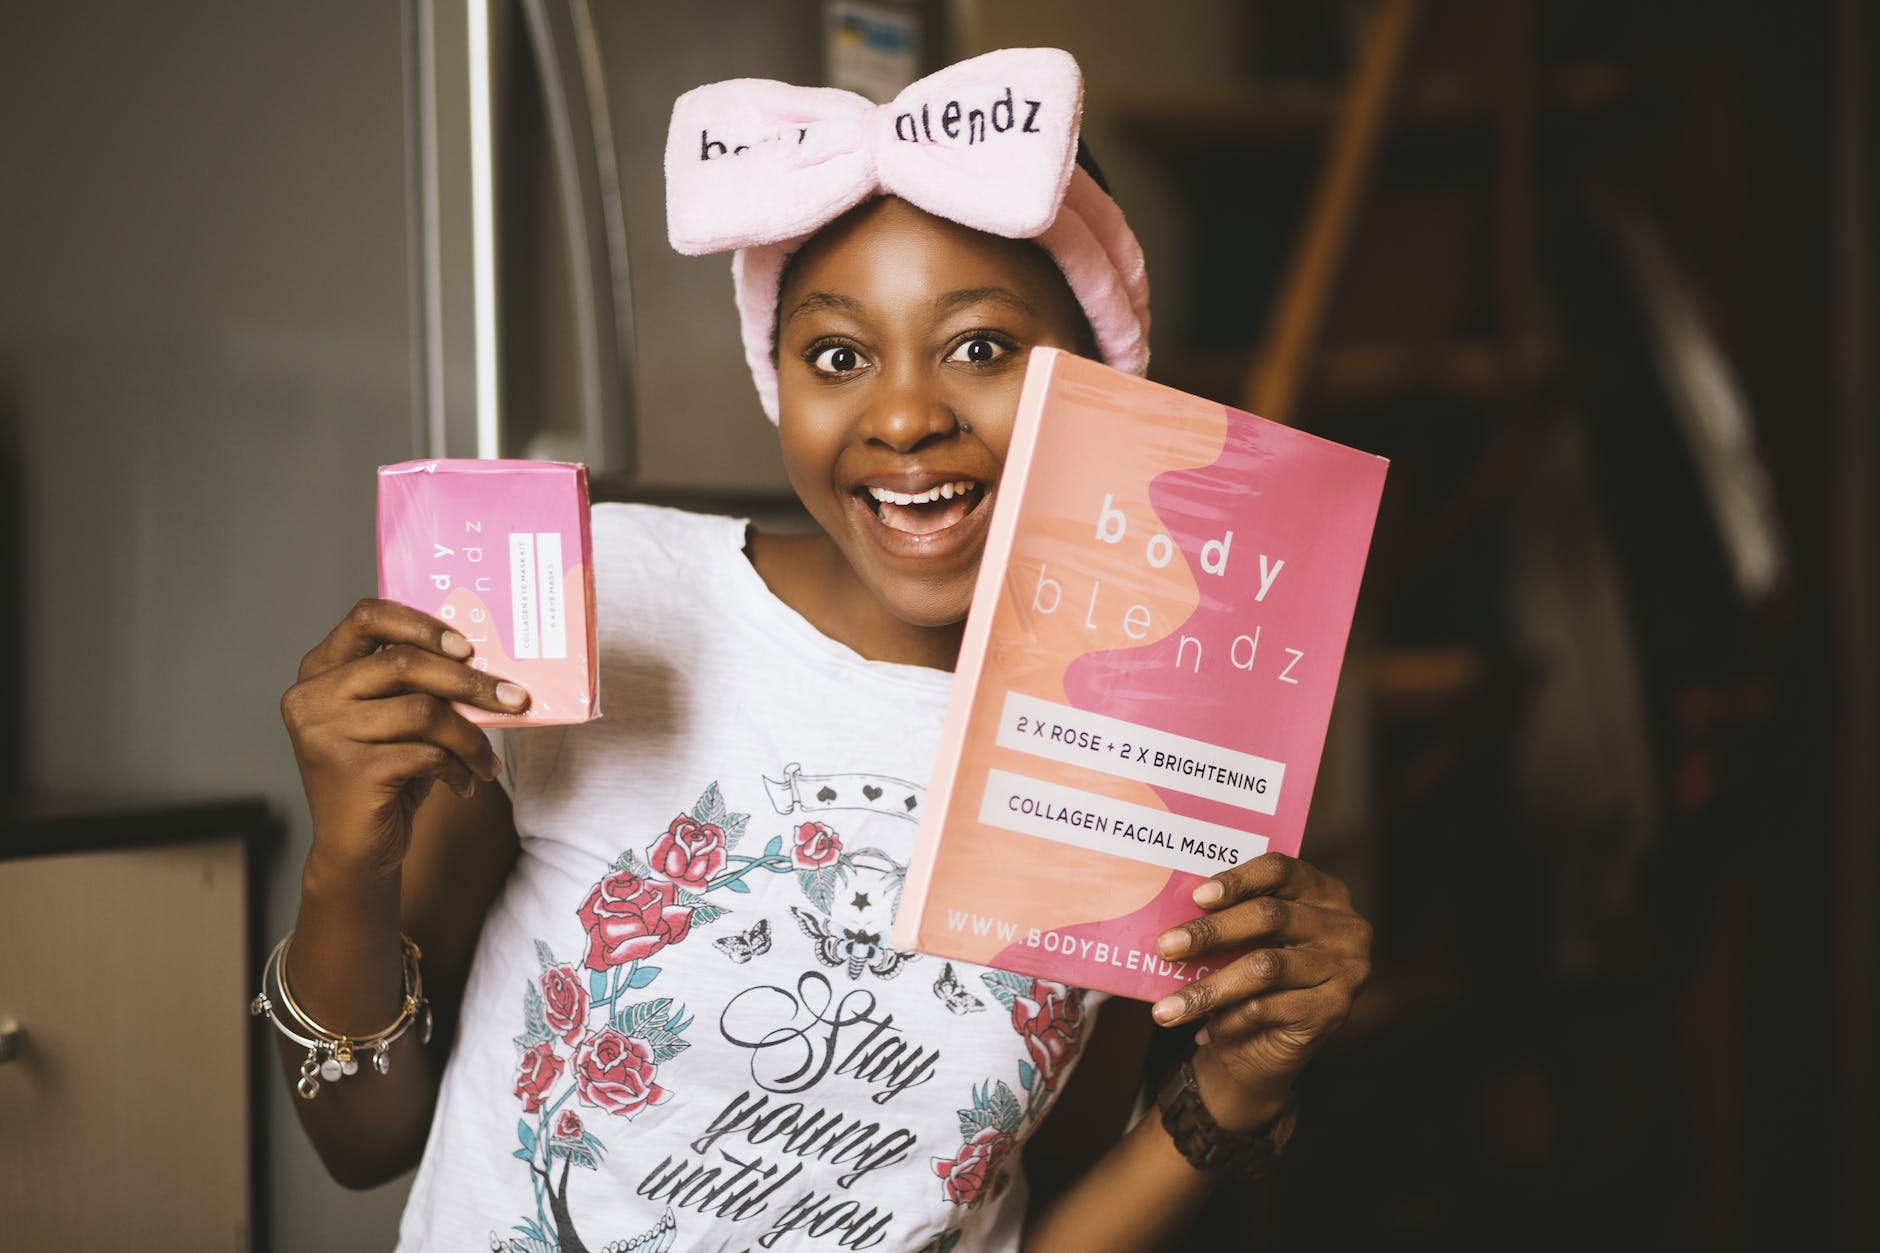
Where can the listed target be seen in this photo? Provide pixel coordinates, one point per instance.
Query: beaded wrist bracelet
(1205, 1143)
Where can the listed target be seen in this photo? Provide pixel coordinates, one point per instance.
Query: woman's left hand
(1268, 1010)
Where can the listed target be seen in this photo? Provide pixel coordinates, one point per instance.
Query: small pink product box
(501, 551)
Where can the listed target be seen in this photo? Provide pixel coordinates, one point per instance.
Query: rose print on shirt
(817, 845)
(615, 1072)
(1051, 1020)
(690, 852)
(980, 1162)
(635, 910)
(599, 1043)
(564, 1002)
(822, 862)
(537, 1074)
(855, 893)
(989, 1130)
(1049, 1017)
(629, 917)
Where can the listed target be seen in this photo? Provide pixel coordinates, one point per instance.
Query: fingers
(1266, 1011)
(389, 675)
(1304, 937)
(377, 716)
(1258, 974)
(1272, 899)
(1271, 874)
(399, 764)
(374, 624)
(402, 668)
(1269, 920)
(1303, 1016)
(418, 717)
(385, 743)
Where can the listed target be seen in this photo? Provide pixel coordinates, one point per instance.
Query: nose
(906, 412)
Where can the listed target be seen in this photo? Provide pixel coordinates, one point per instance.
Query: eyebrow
(816, 301)
(819, 301)
(978, 295)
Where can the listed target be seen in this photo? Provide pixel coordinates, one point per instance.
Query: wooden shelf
(50, 825)
(1289, 113)
(1424, 684)
(1354, 374)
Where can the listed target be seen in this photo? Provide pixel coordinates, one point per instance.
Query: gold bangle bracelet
(331, 1055)
(413, 994)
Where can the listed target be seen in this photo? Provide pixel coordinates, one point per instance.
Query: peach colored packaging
(1145, 680)
(500, 550)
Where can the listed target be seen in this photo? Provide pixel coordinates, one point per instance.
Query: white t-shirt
(685, 1028)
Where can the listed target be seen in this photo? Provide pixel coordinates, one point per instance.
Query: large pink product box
(1146, 677)
(501, 551)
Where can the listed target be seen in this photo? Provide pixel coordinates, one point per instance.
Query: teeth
(940, 491)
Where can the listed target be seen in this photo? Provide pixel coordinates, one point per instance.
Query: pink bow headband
(991, 143)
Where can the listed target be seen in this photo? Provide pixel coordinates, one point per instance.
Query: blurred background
(1597, 276)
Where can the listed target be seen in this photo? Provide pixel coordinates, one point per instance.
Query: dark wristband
(1205, 1143)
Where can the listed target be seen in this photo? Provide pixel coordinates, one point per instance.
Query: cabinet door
(124, 1115)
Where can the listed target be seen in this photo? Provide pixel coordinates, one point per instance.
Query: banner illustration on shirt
(875, 793)
(877, 879)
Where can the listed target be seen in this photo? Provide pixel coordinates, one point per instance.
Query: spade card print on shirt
(875, 793)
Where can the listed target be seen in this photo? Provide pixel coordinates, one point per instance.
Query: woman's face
(901, 348)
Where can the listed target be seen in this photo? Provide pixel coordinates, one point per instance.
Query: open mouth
(925, 512)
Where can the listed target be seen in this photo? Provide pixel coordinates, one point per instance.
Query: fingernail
(496, 765)
(1168, 1009)
(1172, 943)
(510, 694)
(455, 644)
(1210, 892)
(1202, 1037)
(466, 789)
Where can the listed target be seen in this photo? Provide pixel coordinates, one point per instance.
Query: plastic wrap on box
(501, 551)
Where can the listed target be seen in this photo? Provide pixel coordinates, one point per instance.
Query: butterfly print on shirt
(851, 948)
(953, 993)
(754, 942)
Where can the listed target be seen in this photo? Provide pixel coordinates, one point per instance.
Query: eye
(980, 349)
(835, 359)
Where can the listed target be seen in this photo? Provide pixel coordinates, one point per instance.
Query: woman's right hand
(373, 728)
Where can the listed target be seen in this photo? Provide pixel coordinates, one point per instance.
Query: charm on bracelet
(332, 1056)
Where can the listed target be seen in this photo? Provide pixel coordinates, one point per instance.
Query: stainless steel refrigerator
(551, 318)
